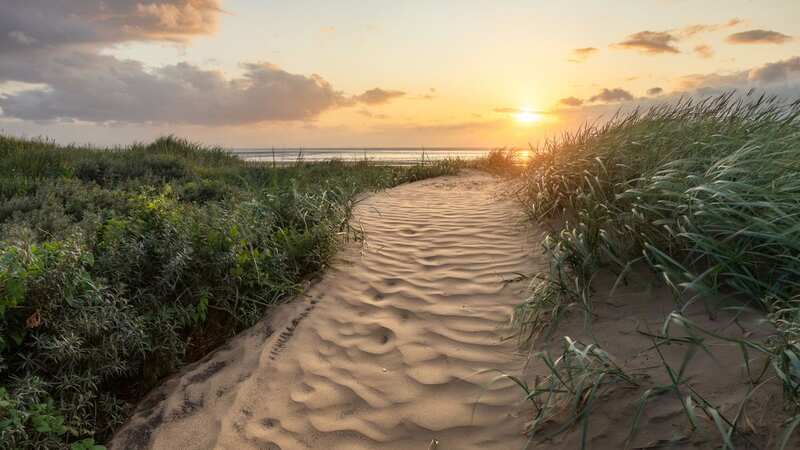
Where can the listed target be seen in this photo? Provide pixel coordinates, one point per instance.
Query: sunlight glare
(527, 116)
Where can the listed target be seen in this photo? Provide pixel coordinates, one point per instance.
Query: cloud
(26, 24)
(21, 38)
(659, 42)
(605, 96)
(378, 96)
(758, 37)
(650, 42)
(611, 95)
(704, 51)
(781, 78)
(655, 91)
(571, 101)
(100, 88)
(700, 81)
(59, 45)
(580, 55)
(693, 30)
(776, 71)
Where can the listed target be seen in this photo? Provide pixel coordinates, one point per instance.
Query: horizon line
(301, 148)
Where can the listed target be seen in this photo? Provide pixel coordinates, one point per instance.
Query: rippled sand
(389, 350)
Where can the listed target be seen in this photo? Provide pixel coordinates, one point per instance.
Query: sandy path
(385, 352)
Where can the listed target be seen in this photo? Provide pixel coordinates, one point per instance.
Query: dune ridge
(389, 350)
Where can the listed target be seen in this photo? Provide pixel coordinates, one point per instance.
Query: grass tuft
(576, 379)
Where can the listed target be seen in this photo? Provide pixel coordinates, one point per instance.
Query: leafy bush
(110, 260)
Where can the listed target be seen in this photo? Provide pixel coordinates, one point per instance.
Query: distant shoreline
(387, 155)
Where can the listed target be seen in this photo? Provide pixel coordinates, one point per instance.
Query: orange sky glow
(255, 73)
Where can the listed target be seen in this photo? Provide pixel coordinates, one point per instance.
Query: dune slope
(389, 350)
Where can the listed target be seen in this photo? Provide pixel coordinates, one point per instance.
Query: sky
(346, 73)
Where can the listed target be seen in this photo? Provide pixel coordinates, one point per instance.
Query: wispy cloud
(378, 96)
(758, 37)
(611, 96)
(693, 30)
(661, 42)
(704, 51)
(580, 55)
(650, 42)
(653, 91)
(571, 101)
(606, 97)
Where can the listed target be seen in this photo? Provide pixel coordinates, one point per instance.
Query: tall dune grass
(704, 193)
(707, 193)
(501, 161)
(119, 265)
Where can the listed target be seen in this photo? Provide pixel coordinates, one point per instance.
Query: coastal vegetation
(118, 266)
(704, 194)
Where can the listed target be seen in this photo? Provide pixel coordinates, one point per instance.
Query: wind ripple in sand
(387, 351)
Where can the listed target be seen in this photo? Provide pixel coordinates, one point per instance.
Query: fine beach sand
(389, 350)
(398, 345)
(620, 318)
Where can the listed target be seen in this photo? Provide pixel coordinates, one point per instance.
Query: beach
(399, 225)
(405, 343)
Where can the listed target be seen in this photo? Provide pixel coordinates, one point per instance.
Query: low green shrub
(118, 266)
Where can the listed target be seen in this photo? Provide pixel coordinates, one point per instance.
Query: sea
(392, 156)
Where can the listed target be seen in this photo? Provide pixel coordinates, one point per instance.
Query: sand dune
(389, 350)
(720, 377)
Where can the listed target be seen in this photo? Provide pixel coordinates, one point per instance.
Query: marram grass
(706, 193)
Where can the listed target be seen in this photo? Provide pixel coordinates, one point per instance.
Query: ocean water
(397, 156)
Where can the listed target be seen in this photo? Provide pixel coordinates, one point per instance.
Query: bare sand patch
(628, 322)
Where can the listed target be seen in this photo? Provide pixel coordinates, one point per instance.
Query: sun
(527, 116)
